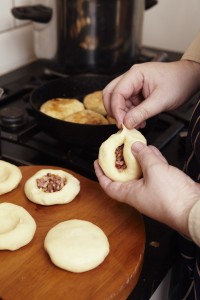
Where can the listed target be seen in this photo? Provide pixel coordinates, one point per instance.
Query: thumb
(147, 156)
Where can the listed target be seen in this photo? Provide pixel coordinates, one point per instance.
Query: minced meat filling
(120, 162)
(51, 183)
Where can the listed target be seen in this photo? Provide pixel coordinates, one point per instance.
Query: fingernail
(137, 146)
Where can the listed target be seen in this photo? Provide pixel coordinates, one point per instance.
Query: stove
(23, 140)
(24, 143)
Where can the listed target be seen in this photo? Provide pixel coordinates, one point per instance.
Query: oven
(23, 142)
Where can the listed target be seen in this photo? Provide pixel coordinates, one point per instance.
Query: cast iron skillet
(67, 132)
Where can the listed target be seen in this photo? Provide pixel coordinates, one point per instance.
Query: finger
(103, 180)
(116, 190)
(107, 93)
(119, 92)
(145, 110)
(146, 156)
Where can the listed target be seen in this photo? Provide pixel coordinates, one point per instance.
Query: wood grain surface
(28, 273)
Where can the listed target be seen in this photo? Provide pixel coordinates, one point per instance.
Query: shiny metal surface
(81, 36)
(102, 36)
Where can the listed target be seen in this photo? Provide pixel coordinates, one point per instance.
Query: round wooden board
(28, 273)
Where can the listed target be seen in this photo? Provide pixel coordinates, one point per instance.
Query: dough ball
(17, 227)
(87, 117)
(94, 101)
(49, 187)
(10, 177)
(76, 245)
(115, 156)
(60, 108)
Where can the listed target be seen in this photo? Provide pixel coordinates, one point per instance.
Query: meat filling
(51, 183)
(120, 162)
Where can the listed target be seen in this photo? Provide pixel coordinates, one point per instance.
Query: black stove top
(23, 139)
(24, 143)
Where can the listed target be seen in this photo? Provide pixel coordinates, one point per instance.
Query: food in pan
(115, 156)
(17, 226)
(94, 101)
(76, 245)
(110, 120)
(49, 187)
(60, 108)
(10, 177)
(90, 111)
(87, 117)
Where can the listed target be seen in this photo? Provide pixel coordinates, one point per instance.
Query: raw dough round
(17, 227)
(107, 156)
(66, 193)
(76, 245)
(10, 177)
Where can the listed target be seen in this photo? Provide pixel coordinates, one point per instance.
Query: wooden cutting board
(28, 273)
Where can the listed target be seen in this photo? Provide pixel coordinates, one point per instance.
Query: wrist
(194, 222)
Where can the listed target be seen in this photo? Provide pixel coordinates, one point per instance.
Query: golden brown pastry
(60, 108)
(87, 117)
(116, 158)
(94, 101)
(111, 120)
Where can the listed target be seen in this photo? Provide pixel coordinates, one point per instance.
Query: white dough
(107, 156)
(76, 245)
(17, 227)
(10, 177)
(65, 195)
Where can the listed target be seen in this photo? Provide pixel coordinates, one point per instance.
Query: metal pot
(81, 36)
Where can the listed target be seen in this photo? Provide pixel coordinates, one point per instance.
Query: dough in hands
(17, 226)
(76, 245)
(49, 187)
(10, 177)
(115, 156)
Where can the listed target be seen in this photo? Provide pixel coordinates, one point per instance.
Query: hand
(163, 86)
(164, 193)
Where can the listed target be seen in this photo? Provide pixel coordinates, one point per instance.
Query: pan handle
(37, 13)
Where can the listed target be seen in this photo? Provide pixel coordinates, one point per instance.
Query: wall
(16, 42)
(171, 25)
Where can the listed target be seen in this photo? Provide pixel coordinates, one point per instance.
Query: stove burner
(12, 117)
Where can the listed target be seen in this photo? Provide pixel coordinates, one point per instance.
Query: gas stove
(24, 143)
(23, 140)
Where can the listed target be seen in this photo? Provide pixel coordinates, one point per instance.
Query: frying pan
(67, 132)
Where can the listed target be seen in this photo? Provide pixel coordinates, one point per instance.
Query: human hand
(164, 193)
(163, 86)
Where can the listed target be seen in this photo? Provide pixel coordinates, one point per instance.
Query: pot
(81, 36)
(75, 134)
